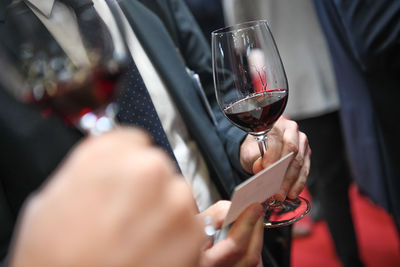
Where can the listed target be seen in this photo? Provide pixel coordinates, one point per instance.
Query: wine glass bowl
(257, 112)
(72, 79)
(68, 89)
(250, 81)
(252, 92)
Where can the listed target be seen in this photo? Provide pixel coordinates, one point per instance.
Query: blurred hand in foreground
(114, 201)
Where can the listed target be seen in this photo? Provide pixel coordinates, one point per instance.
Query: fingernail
(209, 228)
(210, 232)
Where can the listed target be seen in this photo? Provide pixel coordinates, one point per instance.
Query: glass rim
(240, 26)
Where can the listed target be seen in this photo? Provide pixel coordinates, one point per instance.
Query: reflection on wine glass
(252, 91)
(74, 79)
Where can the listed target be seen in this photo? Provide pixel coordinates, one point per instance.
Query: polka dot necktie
(136, 107)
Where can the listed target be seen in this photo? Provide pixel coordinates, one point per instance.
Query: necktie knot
(94, 32)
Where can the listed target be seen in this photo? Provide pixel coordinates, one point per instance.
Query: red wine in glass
(92, 95)
(257, 112)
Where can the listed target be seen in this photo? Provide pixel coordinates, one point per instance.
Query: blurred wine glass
(74, 76)
(252, 91)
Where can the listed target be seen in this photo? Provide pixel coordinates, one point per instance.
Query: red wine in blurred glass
(257, 112)
(76, 82)
(72, 99)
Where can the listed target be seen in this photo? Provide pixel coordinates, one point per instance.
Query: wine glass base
(283, 213)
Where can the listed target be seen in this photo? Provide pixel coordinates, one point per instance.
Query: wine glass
(252, 92)
(76, 82)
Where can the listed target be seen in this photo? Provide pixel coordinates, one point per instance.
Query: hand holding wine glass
(252, 91)
(284, 138)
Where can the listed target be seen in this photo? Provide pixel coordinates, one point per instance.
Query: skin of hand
(243, 244)
(283, 138)
(115, 201)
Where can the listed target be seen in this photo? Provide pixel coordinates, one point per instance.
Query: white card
(257, 188)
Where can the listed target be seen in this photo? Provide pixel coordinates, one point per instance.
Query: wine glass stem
(262, 144)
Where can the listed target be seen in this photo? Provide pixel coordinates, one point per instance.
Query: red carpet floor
(379, 244)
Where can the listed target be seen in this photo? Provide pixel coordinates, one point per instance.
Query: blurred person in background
(364, 42)
(313, 103)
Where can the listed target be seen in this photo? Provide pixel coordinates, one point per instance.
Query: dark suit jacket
(209, 14)
(364, 39)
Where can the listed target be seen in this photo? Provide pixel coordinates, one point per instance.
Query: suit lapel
(157, 43)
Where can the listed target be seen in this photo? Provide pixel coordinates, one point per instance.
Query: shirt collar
(44, 6)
